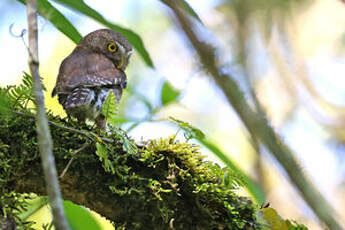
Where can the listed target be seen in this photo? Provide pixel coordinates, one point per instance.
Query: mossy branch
(162, 184)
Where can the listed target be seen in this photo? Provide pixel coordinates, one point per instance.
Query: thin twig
(256, 124)
(88, 134)
(43, 132)
(71, 160)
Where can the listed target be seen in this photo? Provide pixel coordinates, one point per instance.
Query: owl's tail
(78, 97)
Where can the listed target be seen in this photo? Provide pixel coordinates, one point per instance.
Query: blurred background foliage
(286, 55)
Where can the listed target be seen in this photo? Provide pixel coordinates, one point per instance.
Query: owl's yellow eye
(112, 47)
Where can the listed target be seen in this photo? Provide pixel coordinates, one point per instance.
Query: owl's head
(110, 43)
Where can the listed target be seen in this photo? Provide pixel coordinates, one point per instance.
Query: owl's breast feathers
(84, 81)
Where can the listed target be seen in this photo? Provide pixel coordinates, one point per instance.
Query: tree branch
(165, 183)
(43, 132)
(256, 124)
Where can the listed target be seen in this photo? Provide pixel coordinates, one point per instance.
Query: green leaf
(185, 6)
(110, 107)
(190, 10)
(19, 97)
(168, 93)
(190, 131)
(102, 153)
(80, 218)
(293, 225)
(50, 13)
(273, 219)
(33, 206)
(133, 38)
(5, 103)
(129, 146)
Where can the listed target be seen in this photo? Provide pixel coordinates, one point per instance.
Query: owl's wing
(86, 69)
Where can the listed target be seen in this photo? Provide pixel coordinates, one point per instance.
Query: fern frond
(20, 96)
(110, 106)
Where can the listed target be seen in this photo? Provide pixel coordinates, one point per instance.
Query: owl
(94, 68)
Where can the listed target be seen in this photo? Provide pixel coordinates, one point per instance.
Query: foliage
(80, 218)
(18, 97)
(274, 221)
(168, 94)
(110, 106)
(102, 153)
(189, 9)
(190, 131)
(187, 171)
(50, 13)
(11, 205)
(193, 132)
(133, 38)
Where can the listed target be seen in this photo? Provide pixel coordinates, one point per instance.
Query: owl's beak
(122, 62)
(129, 53)
(123, 56)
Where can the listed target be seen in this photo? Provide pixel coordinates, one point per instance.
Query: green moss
(159, 184)
(169, 183)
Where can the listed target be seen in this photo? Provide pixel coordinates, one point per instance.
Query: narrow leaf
(133, 38)
(49, 12)
(190, 10)
(186, 7)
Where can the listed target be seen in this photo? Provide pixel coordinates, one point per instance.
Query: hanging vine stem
(43, 132)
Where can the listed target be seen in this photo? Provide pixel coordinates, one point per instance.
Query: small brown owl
(87, 75)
